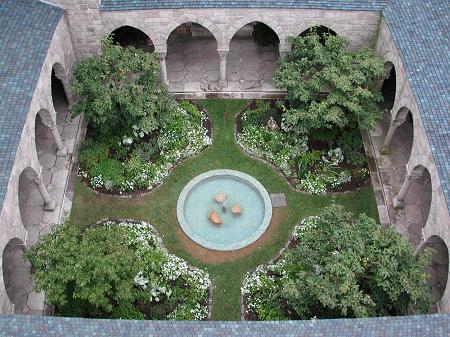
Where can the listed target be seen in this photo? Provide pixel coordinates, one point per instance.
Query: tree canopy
(119, 89)
(328, 85)
(352, 267)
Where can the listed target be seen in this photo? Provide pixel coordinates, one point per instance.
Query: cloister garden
(121, 253)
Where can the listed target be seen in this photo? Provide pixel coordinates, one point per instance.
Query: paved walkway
(55, 172)
(409, 220)
(193, 65)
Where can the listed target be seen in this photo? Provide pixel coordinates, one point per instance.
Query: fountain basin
(196, 202)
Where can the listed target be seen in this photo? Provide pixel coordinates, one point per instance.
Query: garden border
(143, 193)
(278, 170)
(163, 247)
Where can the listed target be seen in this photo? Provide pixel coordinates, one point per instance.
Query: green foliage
(92, 153)
(127, 311)
(191, 109)
(111, 170)
(94, 267)
(260, 114)
(307, 161)
(147, 150)
(119, 89)
(328, 85)
(115, 270)
(352, 146)
(344, 266)
(264, 36)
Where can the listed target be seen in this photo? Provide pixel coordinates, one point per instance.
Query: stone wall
(87, 24)
(61, 55)
(438, 222)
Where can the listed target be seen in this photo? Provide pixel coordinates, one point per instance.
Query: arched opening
(129, 36)
(417, 205)
(402, 142)
(438, 270)
(46, 147)
(389, 87)
(59, 99)
(31, 204)
(252, 58)
(16, 274)
(322, 31)
(192, 59)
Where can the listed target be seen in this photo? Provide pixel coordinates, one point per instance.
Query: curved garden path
(227, 269)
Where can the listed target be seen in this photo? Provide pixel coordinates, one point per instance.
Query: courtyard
(196, 164)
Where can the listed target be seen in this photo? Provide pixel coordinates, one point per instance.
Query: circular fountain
(224, 209)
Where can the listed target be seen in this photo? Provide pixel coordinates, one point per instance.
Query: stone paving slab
(278, 200)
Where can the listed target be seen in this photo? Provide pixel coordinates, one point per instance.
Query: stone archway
(131, 36)
(252, 58)
(438, 270)
(192, 59)
(388, 87)
(322, 31)
(16, 274)
(34, 200)
(415, 204)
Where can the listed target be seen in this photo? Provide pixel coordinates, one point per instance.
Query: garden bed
(309, 164)
(338, 266)
(142, 281)
(134, 166)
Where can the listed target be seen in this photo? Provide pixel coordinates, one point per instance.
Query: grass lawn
(159, 207)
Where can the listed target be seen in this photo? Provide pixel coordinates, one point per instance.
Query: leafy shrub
(264, 36)
(110, 170)
(260, 115)
(113, 270)
(127, 311)
(92, 153)
(191, 109)
(352, 146)
(342, 266)
(307, 161)
(146, 151)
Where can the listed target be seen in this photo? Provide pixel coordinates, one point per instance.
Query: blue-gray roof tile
(27, 27)
(406, 326)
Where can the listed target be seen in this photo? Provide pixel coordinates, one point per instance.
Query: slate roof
(406, 326)
(119, 5)
(27, 27)
(421, 31)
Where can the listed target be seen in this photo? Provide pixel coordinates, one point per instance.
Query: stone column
(163, 67)
(223, 67)
(49, 203)
(411, 175)
(284, 53)
(385, 147)
(62, 150)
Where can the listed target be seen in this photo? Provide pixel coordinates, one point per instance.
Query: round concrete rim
(216, 246)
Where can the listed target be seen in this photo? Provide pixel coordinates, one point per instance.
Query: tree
(352, 267)
(120, 89)
(328, 85)
(91, 270)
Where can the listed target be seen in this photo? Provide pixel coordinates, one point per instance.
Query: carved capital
(223, 54)
(162, 55)
(395, 122)
(413, 174)
(37, 178)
